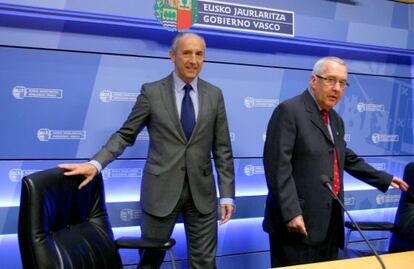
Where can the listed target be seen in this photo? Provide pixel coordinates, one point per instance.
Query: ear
(313, 81)
(172, 55)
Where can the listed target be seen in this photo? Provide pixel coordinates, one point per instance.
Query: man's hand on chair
(85, 169)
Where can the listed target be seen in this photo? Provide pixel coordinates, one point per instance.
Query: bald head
(178, 37)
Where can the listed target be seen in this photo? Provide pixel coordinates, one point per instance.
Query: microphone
(326, 182)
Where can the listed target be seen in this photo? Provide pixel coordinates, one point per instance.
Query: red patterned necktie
(336, 185)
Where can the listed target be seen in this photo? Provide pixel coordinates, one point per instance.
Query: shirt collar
(179, 83)
(313, 96)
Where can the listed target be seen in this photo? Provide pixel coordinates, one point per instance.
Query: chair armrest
(140, 243)
(371, 225)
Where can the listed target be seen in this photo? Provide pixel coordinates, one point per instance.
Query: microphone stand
(326, 182)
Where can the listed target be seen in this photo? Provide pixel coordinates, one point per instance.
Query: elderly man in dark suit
(305, 139)
(186, 121)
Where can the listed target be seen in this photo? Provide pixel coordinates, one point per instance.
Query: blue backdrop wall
(70, 72)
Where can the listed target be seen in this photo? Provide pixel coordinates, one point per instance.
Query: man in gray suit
(186, 120)
(305, 140)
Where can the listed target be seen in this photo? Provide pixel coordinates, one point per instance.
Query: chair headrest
(56, 200)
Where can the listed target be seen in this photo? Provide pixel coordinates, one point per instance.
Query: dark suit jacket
(298, 150)
(170, 155)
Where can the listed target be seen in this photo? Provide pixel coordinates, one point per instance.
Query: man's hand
(226, 212)
(85, 169)
(399, 184)
(297, 225)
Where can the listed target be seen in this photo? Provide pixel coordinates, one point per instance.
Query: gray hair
(178, 37)
(319, 66)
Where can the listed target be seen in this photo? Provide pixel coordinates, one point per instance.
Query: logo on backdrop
(362, 107)
(250, 170)
(251, 102)
(45, 134)
(176, 15)
(108, 96)
(378, 166)
(349, 201)
(232, 136)
(108, 173)
(128, 214)
(347, 138)
(143, 136)
(16, 174)
(377, 138)
(21, 92)
(387, 199)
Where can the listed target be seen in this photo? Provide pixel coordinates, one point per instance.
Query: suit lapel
(168, 98)
(202, 106)
(315, 116)
(338, 134)
(334, 126)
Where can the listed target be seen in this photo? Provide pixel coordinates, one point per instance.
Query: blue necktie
(187, 112)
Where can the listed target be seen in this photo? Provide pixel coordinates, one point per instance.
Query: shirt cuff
(226, 201)
(97, 165)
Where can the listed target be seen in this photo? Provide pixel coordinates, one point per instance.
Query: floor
(10, 257)
(261, 260)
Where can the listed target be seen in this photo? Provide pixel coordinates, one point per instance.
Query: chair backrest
(402, 238)
(61, 226)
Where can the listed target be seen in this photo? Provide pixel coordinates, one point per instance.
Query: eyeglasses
(331, 81)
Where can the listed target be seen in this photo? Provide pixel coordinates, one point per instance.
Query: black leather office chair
(63, 227)
(402, 229)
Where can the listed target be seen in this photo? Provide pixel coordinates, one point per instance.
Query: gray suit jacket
(170, 155)
(298, 150)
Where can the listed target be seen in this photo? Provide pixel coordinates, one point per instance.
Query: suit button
(182, 168)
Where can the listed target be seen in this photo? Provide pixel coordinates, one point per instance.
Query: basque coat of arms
(176, 15)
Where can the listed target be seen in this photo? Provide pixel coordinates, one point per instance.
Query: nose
(337, 86)
(193, 57)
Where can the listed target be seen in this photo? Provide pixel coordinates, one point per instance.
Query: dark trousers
(201, 233)
(292, 252)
